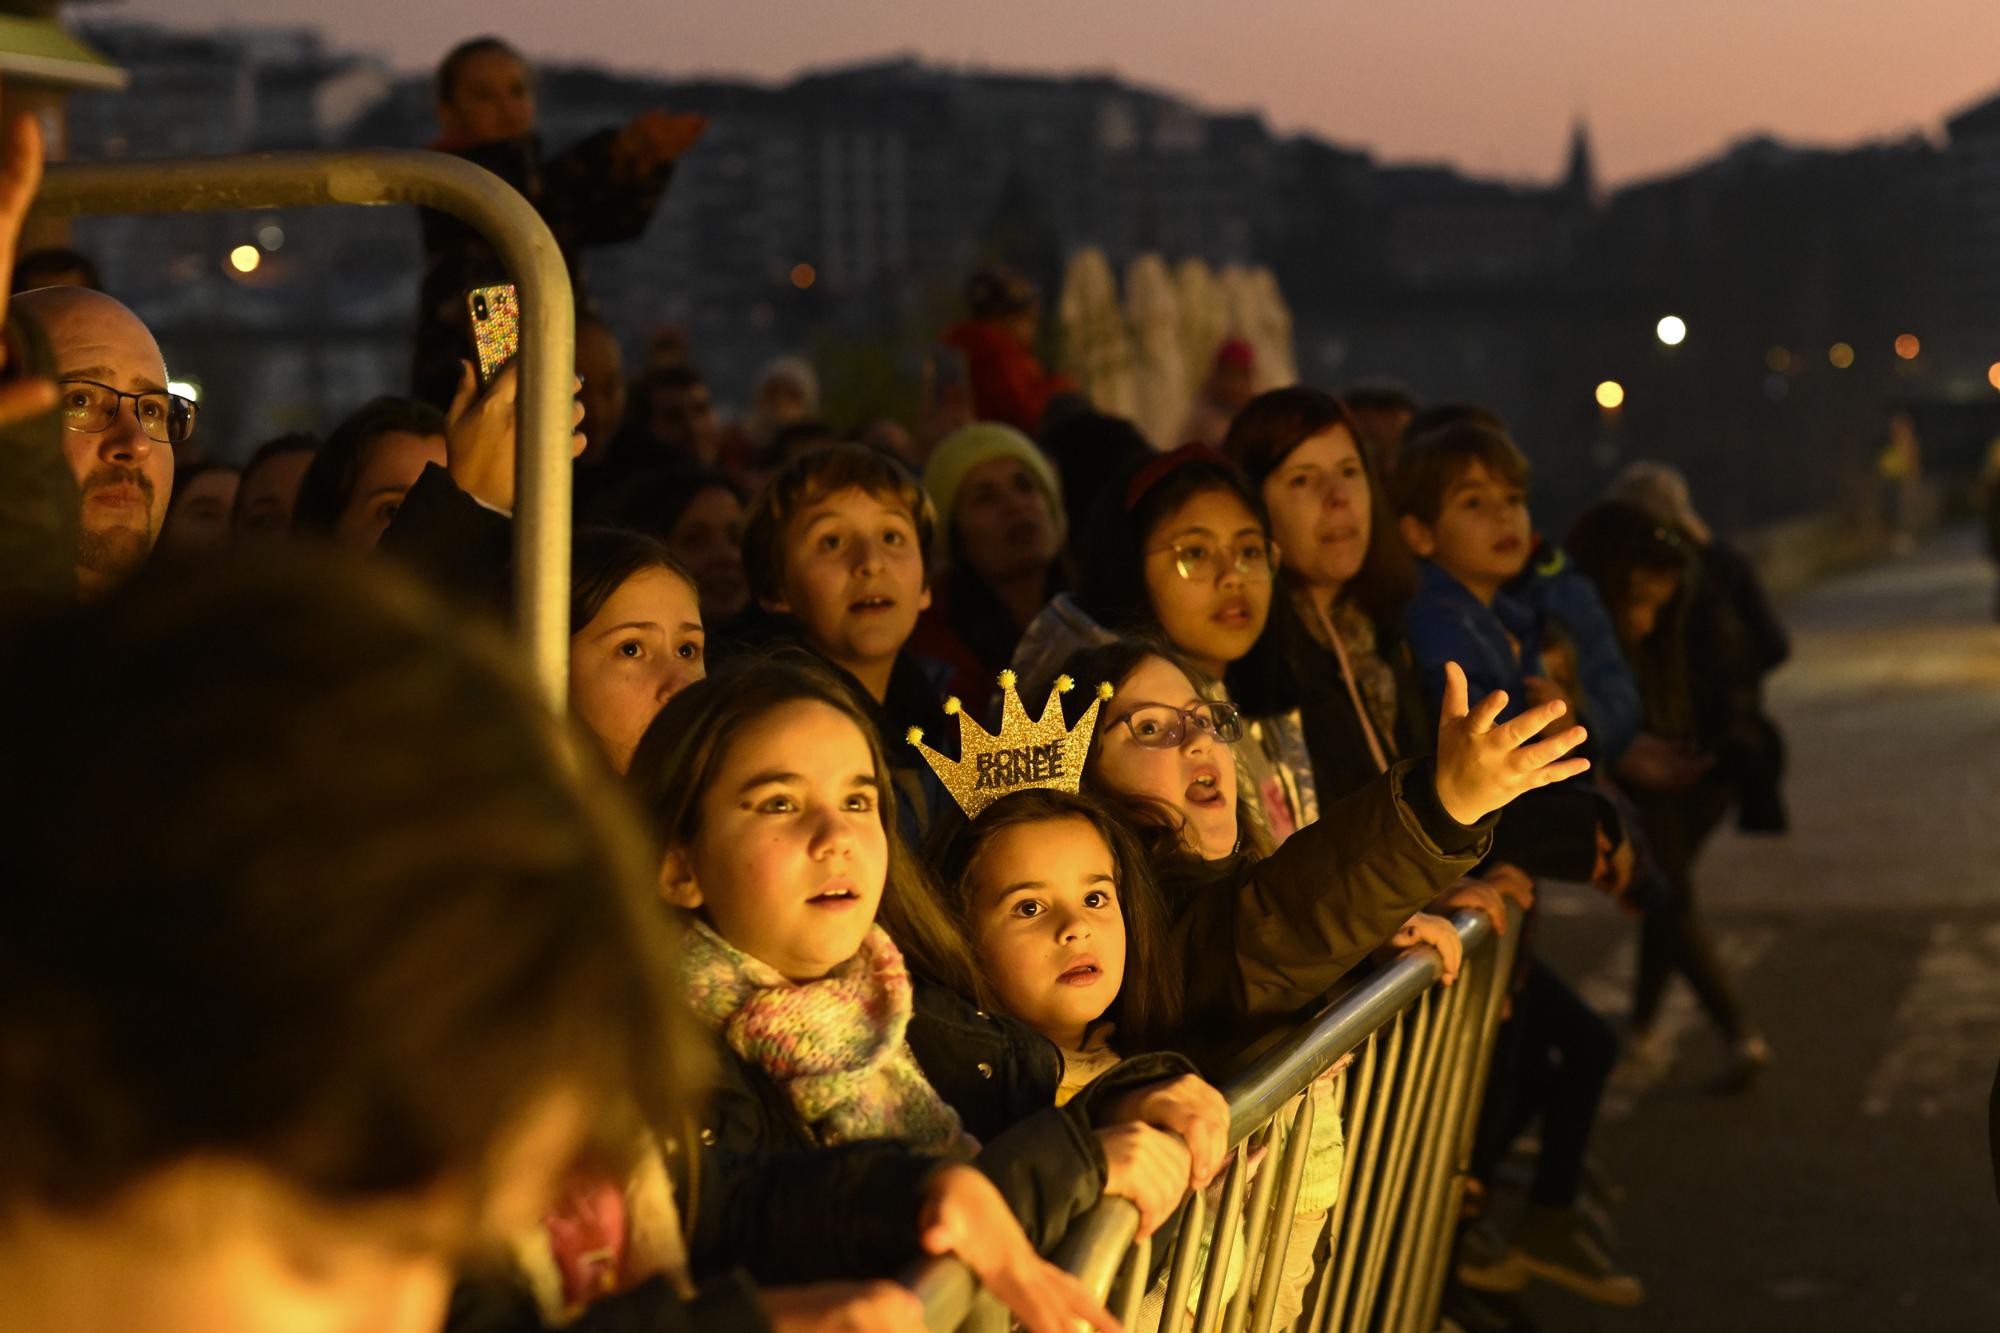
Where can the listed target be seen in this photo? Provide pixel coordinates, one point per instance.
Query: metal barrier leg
(1414, 1085)
(1187, 1252)
(1228, 1216)
(1346, 1314)
(1298, 1140)
(1436, 1113)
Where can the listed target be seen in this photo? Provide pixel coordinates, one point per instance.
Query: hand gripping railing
(518, 235)
(1410, 1104)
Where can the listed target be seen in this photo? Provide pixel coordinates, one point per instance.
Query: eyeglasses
(1200, 561)
(89, 407)
(1164, 727)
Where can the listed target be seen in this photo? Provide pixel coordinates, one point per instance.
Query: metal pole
(518, 235)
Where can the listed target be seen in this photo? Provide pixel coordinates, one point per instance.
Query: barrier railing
(518, 235)
(1409, 1104)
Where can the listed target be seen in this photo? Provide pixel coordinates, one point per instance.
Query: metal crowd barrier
(1409, 1102)
(518, 235)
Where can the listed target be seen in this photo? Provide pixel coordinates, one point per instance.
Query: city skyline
(1485, 88)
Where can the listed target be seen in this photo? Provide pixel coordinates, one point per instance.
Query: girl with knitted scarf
(770, 797)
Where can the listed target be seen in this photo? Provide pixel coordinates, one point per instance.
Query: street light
(1611, 395)
(1672, 330)
(1841, 355)
(245, 258)
(1907, 346)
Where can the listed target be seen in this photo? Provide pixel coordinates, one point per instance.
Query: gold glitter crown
(1026, 754)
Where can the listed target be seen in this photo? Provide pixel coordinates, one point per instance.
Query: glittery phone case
(496, 327)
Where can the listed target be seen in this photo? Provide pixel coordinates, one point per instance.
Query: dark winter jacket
(579, 192)
(1047, 1163)
(1446, 623)
(1555, 590)
(454, 543)
(1261, 940)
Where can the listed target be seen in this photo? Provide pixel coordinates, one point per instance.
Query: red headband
(1164, 466)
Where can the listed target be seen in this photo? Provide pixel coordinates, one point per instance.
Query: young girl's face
(643, 645)
(1047, 926)
(791, 856)
(1196, 779)
(1208, 577)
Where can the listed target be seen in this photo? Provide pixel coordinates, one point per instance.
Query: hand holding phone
(496, 327)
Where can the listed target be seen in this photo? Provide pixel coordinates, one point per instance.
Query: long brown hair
(1147, 1008)
(1264, 434)
(687, 744)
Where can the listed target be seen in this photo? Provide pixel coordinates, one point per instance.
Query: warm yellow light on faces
(1907, 346)
(245, 258)
(1611, 395)
(1841, 355)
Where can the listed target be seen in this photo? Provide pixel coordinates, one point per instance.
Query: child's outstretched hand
(1481, 767)
(1189, 1106)
(964, 1216)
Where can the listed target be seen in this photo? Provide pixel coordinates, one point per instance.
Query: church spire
(1579, 183)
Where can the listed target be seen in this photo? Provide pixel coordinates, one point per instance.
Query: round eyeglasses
(1205, 563)
(1164, 727)
(89, 407)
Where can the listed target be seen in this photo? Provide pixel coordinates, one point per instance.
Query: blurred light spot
(1907, 346)
(1776, 387)
(1841, 355)
(271, 236)
(1611, 395)
(1778, 359)
(245, 258)
(803, 276)
(1672, 330)
(187, 389)
(1993, 374)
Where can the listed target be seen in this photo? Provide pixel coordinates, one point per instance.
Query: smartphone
(496, 327)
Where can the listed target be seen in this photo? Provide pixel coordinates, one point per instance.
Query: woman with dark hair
(358, 479)
(636, 636)
(698, 514)
(1644, 570)
(347, 990)
(1346, 578)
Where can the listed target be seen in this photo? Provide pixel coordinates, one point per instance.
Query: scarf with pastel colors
(835, 1045)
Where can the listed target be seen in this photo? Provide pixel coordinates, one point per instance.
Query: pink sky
(1491, 85)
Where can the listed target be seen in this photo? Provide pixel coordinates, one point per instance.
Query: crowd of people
(946, 807)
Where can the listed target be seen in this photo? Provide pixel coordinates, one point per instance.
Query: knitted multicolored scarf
(834, 1045)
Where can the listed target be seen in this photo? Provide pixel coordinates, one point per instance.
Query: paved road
(1851, 1189)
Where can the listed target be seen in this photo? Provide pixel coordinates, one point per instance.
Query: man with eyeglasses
(120, 424)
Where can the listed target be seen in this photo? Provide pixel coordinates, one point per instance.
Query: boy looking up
(1463, 495)
(836, 545)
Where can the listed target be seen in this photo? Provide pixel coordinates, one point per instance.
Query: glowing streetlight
(1671, 330)
(1993, 374)
(1611, 395)
(1907, 346)
(1841, 355)
(245, 258)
